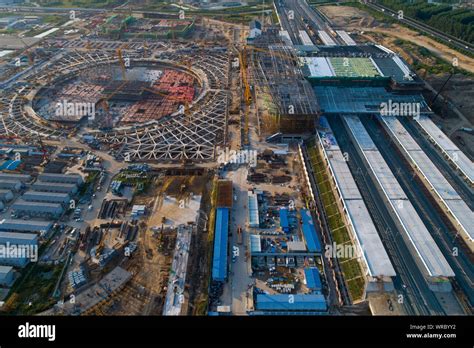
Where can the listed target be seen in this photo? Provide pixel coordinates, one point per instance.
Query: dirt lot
(144, 293)
(150, 264)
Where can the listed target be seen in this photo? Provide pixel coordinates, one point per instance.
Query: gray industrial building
(54, 187)
(17, 225)
(18, 238)
(6, 195)
(18, 249)
(49, 210)
(61, 178)
(46, 197)
(6, 275)
(14, 185)
(20, 177)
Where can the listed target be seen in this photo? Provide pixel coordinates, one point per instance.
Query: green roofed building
(354, 67)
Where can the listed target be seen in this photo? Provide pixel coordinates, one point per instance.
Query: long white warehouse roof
(456, 156)
(373, 252)
(305, 39)
(18, 238)
(24, 225)
(415, 232)
(443, 189)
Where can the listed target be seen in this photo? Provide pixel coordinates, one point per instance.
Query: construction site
(175, 164)
(175, 95)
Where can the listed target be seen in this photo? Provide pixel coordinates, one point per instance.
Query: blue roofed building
(221, 236)
(299, 302)
(313, 280)
(10, 165)
(284, 222)
(309, 232)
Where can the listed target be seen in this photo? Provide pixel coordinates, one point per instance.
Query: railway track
(409, 281)
(441, 231)
(316, 20)
(459, 184)
(286, 24)
(432, 217)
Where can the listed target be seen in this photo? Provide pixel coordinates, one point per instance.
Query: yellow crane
(247, 93)
(122, 63)
(243, 67)
(145, 49)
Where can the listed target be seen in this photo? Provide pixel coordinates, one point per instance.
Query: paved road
(239, 279)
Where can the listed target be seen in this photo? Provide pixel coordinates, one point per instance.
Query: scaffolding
(276, 70)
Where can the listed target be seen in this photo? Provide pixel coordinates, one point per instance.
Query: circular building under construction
(168, 108)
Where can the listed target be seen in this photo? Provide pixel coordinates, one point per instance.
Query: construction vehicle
(43, 149)
(101, 245)
(27, 52)
(239, 235)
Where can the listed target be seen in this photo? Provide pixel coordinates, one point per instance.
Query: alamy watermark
(19, 251)
(400, 109)
(225, 156)
(75, 109)
(342, 251)
(28, 330)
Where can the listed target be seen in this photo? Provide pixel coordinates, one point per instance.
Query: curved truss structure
(17, 119)
(175, 138)
(16, 123)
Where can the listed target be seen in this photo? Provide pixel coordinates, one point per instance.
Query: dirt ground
(379, 304)
(144, 294)
(150, 264)
(459, 89)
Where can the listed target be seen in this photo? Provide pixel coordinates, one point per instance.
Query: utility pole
(442, 88)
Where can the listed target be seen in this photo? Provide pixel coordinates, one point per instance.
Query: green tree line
(457, 22)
